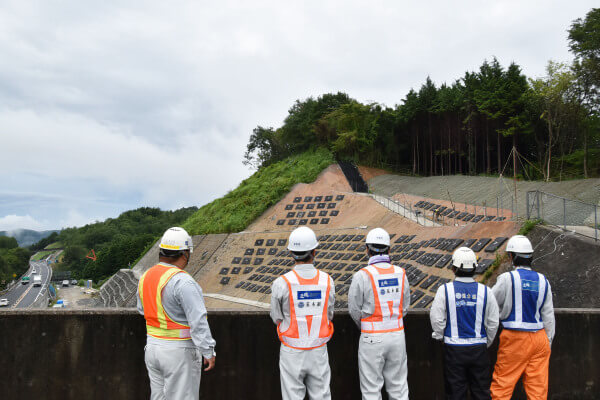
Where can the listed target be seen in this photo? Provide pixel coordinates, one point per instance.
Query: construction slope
(491, 192)
(236, 270)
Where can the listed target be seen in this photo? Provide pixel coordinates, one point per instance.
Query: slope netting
(566, 213)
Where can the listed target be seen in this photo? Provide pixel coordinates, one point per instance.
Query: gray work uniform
(301, 370)
(381, 356)
(174, 366)
(438, 313)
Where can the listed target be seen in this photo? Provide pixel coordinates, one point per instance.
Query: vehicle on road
(25, 280)
(73, 282)
(3, 302)
(33, 271)
(65, 283)
(37, 280)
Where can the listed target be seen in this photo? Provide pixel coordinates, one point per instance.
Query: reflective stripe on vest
(388, 292)
(309, 323)
(529, 290)
(465, 310)
(158, 323)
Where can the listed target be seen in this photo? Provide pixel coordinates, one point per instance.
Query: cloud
(75, 148)
(14, 222)
(111, 105)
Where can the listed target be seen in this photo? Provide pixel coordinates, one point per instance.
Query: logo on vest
(382, 292)
(532, 286)
(309, 294)
(301, 305)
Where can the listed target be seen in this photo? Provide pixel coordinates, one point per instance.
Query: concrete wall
(99, 354)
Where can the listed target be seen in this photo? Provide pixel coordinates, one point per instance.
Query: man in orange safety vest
(302, 302)
(178, 335)
(378, 299)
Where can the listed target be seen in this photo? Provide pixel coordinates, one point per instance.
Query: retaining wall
(99, 354)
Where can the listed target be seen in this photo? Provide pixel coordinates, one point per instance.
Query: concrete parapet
(99, 354)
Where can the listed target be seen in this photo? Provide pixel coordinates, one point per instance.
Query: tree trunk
(549, 149)
(431, 165)
(499, 153)
(488, 168)
(585, 172)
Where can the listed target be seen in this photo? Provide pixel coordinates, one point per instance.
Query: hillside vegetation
(14, 260)
(240, 207)
(26, 237)
(117, 242)
(467, 126)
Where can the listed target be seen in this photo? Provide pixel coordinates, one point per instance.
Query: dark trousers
(467, 367)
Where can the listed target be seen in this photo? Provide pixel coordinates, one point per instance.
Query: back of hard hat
(378, 240)
(519, 244)
(301, 242)
(176, 239)
(464, 259)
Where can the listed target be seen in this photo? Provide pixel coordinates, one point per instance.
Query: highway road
(23, 296)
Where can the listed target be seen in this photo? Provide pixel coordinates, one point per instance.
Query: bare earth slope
(237, 270)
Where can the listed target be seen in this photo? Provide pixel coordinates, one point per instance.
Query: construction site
(101, 347)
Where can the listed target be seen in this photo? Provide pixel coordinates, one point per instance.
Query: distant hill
(27, 237)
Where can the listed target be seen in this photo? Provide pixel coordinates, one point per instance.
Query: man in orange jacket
(178, 332)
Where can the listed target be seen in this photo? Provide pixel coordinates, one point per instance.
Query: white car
(65, 283)
(33, 271)
(3, 302)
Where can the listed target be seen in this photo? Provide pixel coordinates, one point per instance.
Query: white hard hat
(378, 236)
(519, 244)
(302, 240)
(464, 259)
(378, 240)
(176, 239)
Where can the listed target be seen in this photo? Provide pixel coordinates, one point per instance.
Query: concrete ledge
(99, 354)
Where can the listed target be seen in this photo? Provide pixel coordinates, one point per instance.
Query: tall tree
(584, 42)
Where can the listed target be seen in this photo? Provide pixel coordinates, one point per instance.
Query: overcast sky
(107, 106)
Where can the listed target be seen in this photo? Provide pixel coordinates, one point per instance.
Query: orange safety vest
(310, 326)
(388, 291)
(150, 287)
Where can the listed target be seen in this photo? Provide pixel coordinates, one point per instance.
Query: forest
(14, 260)
(491, 121)
(117, 242)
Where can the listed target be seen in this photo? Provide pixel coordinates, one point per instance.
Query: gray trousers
(304, 371)
(174, 372)
(382, 358)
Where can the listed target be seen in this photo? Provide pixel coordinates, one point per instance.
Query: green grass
(41, 254)
(500, 258)
(55, 245)
(528, 225)
(240, 207)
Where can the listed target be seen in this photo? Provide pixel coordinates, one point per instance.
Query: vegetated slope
(238, 208)
(26, 237)
(14, 260)
(117, 242)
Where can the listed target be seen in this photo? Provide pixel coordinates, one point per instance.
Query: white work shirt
(280, 296)
(361, 301)
(438, 314)
(183, 302)
(503, 292)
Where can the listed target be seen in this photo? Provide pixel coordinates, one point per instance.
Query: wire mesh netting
(569, 214)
